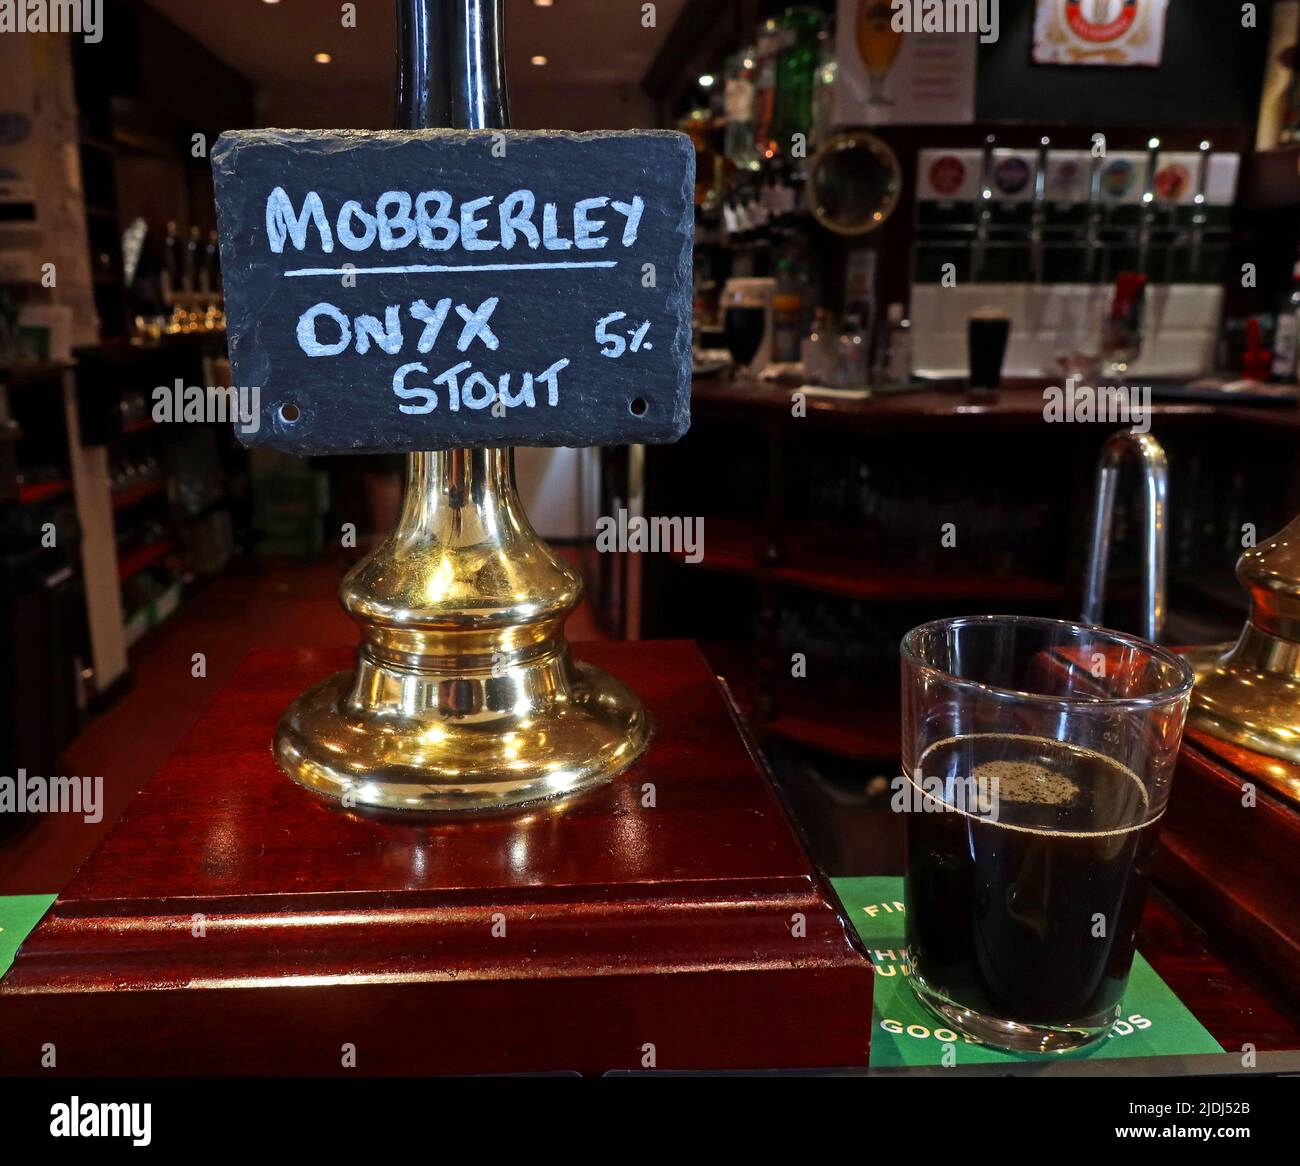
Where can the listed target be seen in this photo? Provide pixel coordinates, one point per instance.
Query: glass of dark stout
(1038, 757)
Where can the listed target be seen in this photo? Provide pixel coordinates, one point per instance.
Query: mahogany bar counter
(412, 769)
(233, 922)
(681, 917)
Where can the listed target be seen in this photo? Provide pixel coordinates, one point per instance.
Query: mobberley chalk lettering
(435, 289)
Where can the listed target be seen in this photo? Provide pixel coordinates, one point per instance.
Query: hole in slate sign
(637, 407)
(289, 413)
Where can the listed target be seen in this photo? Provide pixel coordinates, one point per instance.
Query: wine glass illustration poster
(893, 71)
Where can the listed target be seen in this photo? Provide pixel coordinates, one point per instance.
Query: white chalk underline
(425, 268)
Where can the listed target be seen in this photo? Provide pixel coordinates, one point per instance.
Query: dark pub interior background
(865, 201)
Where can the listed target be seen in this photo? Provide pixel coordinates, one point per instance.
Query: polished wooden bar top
(235, 922)
(220, 819)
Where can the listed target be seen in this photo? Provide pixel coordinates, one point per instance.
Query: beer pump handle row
(1096, 220)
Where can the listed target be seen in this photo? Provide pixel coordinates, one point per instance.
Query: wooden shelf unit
(738, 549)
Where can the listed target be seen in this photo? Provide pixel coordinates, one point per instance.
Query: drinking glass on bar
(742, 330)
(1039, 756)
(987, 332)
(745, 314)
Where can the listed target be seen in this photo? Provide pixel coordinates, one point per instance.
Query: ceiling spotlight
(707, 80)
(543, 3)
(322, 58)
(538, 60)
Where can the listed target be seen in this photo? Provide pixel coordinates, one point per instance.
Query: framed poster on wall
(1099, 32)
(891, 72)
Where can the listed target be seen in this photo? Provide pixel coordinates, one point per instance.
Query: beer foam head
(1026, 781)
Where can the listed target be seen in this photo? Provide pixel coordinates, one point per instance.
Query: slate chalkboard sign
(436, 289)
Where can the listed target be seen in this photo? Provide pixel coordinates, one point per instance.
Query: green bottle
(796, 73)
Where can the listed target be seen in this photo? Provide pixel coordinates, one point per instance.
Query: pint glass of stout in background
(1038, 756)
(987, 333)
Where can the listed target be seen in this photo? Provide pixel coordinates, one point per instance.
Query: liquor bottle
(190, 270)
(893, 355)
(212, 263)
(202, 268)
(738, 101)
(170, 279)
(1255, 361)
(1121, 338)
(1287, 333)
(796, 73)
(851, 355)
(1289, 134)
(823, 110)
(816, 350)
(698, 126)
(766, 50)
(787, 314)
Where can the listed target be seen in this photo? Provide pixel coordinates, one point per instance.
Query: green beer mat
(18, 915)
(1153, 1021)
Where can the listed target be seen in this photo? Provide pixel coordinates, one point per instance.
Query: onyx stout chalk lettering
(478, 391)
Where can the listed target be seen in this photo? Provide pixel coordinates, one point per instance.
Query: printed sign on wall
(439, 289)
(1099, 32)
(897, 67)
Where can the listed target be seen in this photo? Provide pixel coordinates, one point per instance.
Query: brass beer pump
(465, 697)
(1250, 693)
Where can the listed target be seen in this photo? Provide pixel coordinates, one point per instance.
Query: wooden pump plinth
(234, 922)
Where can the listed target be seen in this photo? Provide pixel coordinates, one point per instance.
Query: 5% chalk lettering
(613, 344)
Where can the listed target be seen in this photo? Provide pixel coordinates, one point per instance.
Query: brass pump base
(588, 728)
(1249, 693)
(465, 698)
